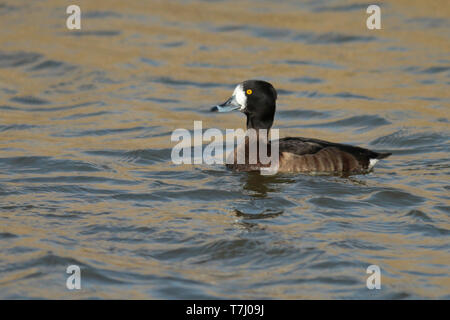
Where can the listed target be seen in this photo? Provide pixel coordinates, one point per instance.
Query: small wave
(347, 95)
(428, 70)
(174, 44)
(162, 100)
(151, 62)
(427, 229)
(18, 59)
(18, 127)
(344, 8)
(7, 235)
(86, 115)
(357, 244)
(68, 107)
(363, 123)
(336, 204)
(341, 95)
(75, 180)
(176, 82)
(405, 138)
(100, 132)
(306, 80)
(418, 215)
(30, 100)
(428, 22)
(97, 14)
(322, 64)
(295, 115)
(94, 33)
(52, 68)
(337, 38)
(147, 156)
(41, 164)
(395, 199)
(280, 34)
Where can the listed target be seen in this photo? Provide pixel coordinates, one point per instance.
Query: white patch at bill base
(240, 96)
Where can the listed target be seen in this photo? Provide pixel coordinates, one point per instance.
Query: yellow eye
(249, 91)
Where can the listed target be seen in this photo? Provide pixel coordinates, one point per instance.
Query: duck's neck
(259, 130)
(258, 123)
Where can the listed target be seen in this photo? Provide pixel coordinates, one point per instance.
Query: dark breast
(247, 165)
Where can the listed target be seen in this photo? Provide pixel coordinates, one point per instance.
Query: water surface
(86, 176)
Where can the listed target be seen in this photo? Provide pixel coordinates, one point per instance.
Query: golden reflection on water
(120, 76)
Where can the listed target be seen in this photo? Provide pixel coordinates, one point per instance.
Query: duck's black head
(255, 98)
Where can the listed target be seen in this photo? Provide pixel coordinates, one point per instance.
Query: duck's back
(315, 156)
(312, 155)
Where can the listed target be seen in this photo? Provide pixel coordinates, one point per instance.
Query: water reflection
(260, 185)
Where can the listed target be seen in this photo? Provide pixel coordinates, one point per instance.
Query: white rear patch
(240, 96)
(372, 162)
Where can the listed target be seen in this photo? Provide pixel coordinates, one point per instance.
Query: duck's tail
(383, 155)
(378, 157)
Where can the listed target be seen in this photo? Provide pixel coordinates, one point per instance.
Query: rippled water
(86, 176)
